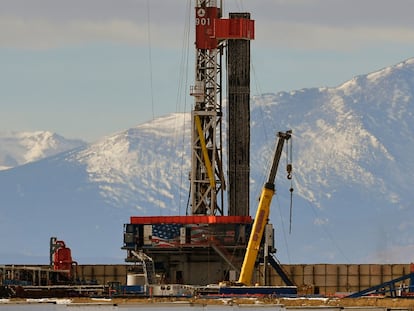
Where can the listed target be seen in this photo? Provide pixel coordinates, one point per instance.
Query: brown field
(311, 302)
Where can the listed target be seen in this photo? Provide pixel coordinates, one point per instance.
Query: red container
(234, 28)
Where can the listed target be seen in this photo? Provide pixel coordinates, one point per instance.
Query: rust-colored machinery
(61, 258)
(59, 279)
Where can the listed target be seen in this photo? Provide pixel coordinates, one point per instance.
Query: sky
(89, 68)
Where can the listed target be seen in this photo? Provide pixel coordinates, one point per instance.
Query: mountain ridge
(19, 148)
(352, 175)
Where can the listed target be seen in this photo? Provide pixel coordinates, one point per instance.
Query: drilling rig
(213, 35)
(208, 246)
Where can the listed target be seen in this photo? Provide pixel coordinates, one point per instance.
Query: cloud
(329, 37)
(320, 221)
(45, 24)
(22, 33)
(336, 13)
(339, 25)
(44, 34)
(393, 254)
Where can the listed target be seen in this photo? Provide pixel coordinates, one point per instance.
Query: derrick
(207, 176)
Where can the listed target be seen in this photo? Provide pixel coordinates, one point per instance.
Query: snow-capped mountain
(352, 164)
(140, 168)
(18, 148)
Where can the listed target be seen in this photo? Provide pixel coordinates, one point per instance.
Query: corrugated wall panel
(340, 278)
(326, 278)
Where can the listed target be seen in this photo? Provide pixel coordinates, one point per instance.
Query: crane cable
(182, 98)
(150, 57)
(289, 149)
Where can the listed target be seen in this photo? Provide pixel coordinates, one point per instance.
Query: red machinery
(210, 28)
(61, 257)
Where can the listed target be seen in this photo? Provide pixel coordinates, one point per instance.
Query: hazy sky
(89, 68)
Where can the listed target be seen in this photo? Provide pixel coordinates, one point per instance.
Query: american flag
(166, 234)
(199, 234)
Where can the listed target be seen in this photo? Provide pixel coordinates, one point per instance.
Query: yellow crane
(262, 213)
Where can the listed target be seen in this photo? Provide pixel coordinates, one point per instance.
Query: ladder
(148, 269)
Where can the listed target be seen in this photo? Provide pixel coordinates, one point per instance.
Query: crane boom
(262, 214)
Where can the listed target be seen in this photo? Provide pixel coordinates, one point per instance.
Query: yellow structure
(262, 215)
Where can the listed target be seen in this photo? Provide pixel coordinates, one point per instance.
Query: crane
(262, 213)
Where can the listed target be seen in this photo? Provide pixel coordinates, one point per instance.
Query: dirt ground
(333, 302)
(352, 302)
(391, 303)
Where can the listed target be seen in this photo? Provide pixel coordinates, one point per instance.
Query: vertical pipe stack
(238, 88)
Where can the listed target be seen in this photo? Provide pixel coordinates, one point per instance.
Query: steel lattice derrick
(207, 174)
(207, 178)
